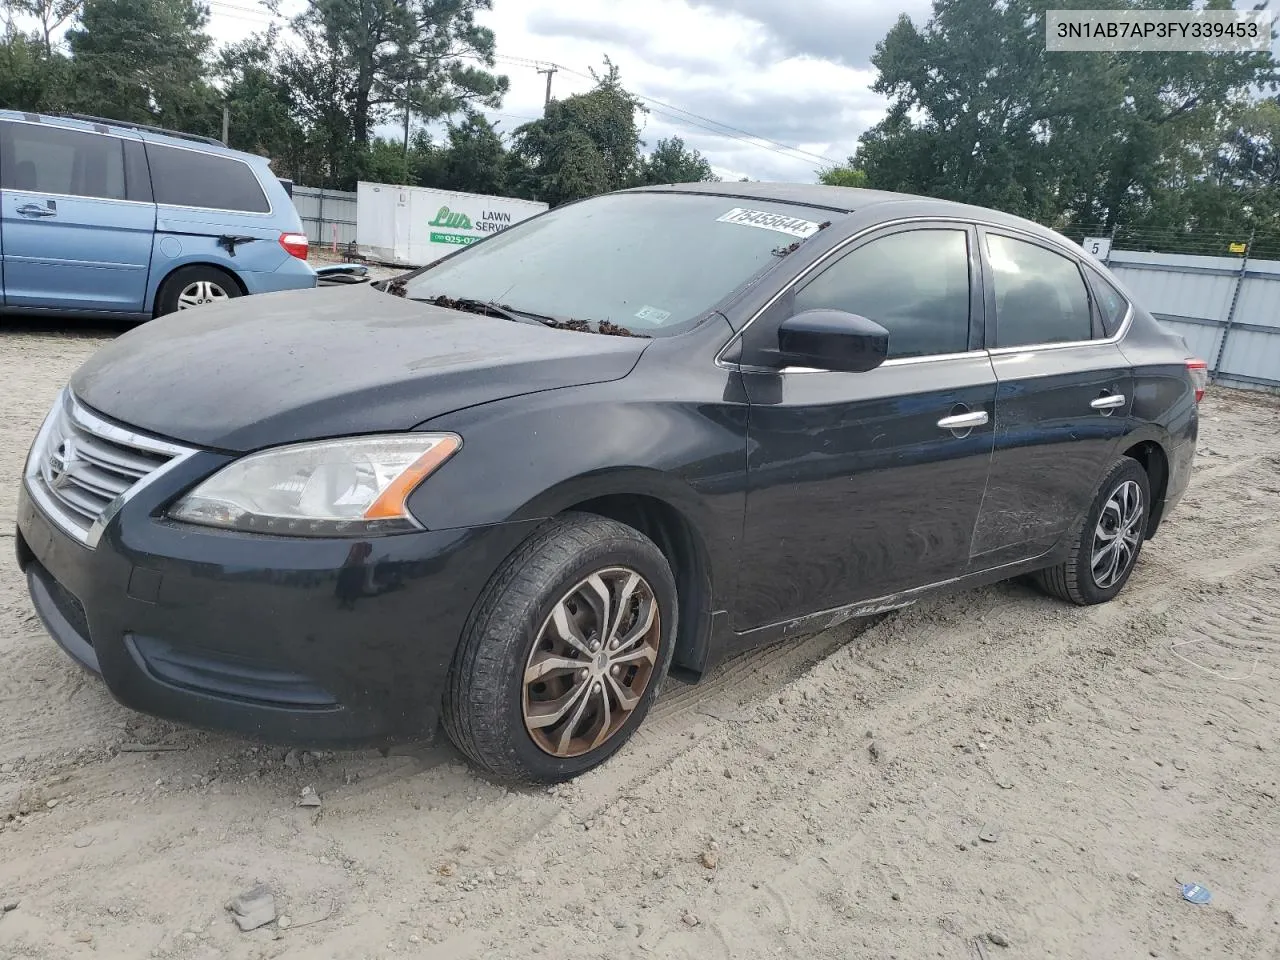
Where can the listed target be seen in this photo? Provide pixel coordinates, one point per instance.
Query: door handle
(1108, 401)
(964, 421)
(35, 210)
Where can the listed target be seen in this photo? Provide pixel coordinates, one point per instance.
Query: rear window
(190, 178)
(1111, 304)
(45, 159)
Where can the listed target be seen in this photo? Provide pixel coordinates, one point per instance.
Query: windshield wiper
(505, 312)
(487, 309)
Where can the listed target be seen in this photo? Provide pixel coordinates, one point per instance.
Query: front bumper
(301, 641)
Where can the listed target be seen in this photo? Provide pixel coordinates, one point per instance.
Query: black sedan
(629, 437)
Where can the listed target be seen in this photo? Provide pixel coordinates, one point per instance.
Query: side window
(914, 284)
(1040, 295)
(191, 178)
(45, 159)
(1111, 304)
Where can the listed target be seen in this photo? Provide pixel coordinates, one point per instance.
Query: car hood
(279, 368)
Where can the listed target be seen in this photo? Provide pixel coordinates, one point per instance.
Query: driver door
(861, 485)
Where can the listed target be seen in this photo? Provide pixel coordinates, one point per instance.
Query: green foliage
(371, 58)
(672, 162)
(31, 78)
(586, 144)
(849, 175)
(144, 61)
(980, 112)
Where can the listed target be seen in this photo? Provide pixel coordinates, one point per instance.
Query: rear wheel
(565, 651)
(1104, 544)
(189, 287)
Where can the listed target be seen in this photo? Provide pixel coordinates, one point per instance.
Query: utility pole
(406, 125)
(226, 124)
(549, 71)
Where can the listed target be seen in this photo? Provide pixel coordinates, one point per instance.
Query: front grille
(82, 468)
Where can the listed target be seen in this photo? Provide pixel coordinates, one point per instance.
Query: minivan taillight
(1199, 371)
(295, 244)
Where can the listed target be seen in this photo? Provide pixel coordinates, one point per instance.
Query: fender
(593, 441)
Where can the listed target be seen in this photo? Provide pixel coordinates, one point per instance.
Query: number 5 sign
(1099, 247)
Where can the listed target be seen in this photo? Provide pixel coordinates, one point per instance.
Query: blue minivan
(102, 218)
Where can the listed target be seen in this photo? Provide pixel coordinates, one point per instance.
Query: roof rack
(141, 126)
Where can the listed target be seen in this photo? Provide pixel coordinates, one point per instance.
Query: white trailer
(415, 226)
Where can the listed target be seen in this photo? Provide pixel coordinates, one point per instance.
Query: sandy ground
(823, 798)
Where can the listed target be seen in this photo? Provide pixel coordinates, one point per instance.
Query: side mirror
(832, 340)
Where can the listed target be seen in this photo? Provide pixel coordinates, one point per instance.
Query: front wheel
(1105, 544)
(564, 653)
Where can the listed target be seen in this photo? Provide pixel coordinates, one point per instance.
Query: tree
(375, 57)
(849, 175)
(980, 112)
(51, 15)
(262, 104)
(144, 61)
(474, 160)
(586, 144)
(672, 162)
(30, 77)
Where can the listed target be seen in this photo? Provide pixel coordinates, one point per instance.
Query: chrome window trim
(895, 362)
(1062, 247)
(90, 421)
(77, 196)
(1038, 347)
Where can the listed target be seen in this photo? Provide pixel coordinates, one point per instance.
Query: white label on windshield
(792, 226)
(653, 315)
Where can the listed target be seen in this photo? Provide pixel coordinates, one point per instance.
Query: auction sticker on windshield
(792, 226)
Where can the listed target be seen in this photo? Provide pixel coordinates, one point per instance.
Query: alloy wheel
(1117, 535)
(593, 659)
(200, 292)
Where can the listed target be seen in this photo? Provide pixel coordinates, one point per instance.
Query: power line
(687, 117)
(698, 117)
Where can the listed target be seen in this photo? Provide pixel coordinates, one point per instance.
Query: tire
(1078, 580)
(188, 284)
(540, 611)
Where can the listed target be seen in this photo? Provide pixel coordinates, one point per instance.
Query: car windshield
(651, 263)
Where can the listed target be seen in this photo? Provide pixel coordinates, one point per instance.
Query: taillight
(1199, 371)
(295, 244)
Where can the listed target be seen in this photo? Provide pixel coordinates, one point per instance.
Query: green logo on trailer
(453, 221)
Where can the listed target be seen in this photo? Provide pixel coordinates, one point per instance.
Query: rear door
(203, 198)
(77, 218)
(1064, 394)
(864, 484)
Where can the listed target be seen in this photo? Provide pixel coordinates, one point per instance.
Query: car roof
(130, 131)
(850, 200)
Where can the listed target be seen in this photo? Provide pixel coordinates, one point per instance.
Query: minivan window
(1111, 304)
(44, 159)
(915, 284)
(192, 178)
(652, 263)
(1040, 295)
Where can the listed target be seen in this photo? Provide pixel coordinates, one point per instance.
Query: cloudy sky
(761, 76)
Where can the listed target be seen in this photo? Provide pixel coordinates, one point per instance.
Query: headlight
(351, 488)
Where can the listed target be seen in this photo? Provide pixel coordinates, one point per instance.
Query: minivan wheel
(564, 652)
(189, 287)
(1105, 544)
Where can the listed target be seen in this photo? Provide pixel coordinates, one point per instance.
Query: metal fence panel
(1227, 308)
(328, 216)
(1260, 299)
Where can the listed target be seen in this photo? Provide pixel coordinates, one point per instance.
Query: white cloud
(798, 74)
